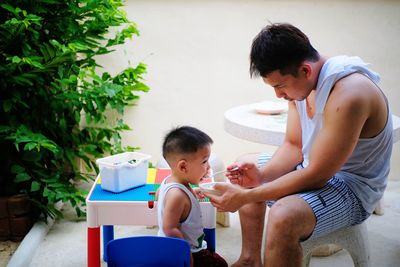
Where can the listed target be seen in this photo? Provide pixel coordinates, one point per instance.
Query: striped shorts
(335, 205)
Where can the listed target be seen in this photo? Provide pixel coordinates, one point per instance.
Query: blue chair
(149, 251)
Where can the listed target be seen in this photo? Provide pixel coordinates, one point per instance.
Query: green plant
(55, 103)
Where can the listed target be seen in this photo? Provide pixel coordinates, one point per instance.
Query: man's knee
(280, 217)
(255, 209)
(291, 216)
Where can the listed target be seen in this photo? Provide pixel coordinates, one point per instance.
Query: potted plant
(55, 101)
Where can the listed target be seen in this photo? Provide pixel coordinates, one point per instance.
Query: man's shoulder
(356, 97)
(355, 80)
(354, 87)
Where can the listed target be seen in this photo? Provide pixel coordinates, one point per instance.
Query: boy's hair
(280, 47)
(183, 140)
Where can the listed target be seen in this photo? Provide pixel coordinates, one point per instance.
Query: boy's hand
(198, 193)
(231, 199)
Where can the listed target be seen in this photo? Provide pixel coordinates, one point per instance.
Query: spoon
(219, 172)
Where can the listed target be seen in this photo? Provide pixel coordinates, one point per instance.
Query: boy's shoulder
(176, 192)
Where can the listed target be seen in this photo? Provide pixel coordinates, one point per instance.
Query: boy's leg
(206, 258)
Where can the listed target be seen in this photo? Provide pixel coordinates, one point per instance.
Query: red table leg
(93, 247)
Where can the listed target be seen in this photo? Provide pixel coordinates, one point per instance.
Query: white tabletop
(245, 123)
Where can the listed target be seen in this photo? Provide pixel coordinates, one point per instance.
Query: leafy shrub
(55, 103)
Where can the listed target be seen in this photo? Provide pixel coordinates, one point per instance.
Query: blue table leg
(210, 238)
(108, 235)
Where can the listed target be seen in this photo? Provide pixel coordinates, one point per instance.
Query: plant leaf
(22, 177)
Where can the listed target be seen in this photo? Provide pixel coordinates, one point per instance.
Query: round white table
(245, 123)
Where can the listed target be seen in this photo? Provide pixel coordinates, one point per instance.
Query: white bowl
(270, 107)
(209, 187)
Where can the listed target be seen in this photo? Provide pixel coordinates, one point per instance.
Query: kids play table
(132, 207)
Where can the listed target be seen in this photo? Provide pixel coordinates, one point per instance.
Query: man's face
(288, 86)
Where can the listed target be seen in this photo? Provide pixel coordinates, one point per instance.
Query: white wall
(197, 57)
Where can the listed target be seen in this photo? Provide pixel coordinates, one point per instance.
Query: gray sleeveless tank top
(366, 171)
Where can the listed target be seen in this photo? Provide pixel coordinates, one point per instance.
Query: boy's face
(198, 165)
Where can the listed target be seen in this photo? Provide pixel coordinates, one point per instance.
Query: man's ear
(305, 70)
(182, 166)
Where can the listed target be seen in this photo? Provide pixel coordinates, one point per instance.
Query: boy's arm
(175, 210)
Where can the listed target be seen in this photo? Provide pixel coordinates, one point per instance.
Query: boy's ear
(182, 165)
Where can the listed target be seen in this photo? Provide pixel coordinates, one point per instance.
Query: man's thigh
(334, 206)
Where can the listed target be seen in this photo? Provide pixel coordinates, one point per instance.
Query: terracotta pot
(5, 231)
(18, 205)
(3, 208)
(19, 227)
(16, 217)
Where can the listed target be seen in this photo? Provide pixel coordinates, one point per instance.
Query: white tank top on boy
(192, 227)
(366, 171)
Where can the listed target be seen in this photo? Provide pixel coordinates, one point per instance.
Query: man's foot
(246, 263)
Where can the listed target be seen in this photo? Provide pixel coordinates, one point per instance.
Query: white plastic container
(123, 171)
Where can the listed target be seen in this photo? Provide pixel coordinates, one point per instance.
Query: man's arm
(345, 114)
(284, 160)
(344, 117)
(289, 154)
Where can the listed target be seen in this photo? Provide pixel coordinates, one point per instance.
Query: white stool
(354, 239)
(379, 209)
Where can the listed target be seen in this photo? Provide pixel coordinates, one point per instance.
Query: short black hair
(280, 46)
(184, 139)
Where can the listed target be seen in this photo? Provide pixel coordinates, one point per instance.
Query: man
(333, 166)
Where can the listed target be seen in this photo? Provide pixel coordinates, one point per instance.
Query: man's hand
(247, 175)
(231, 199)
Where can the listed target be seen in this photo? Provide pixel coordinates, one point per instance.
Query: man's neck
(317, 66)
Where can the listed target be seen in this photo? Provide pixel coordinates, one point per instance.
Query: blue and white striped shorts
(335, 205)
